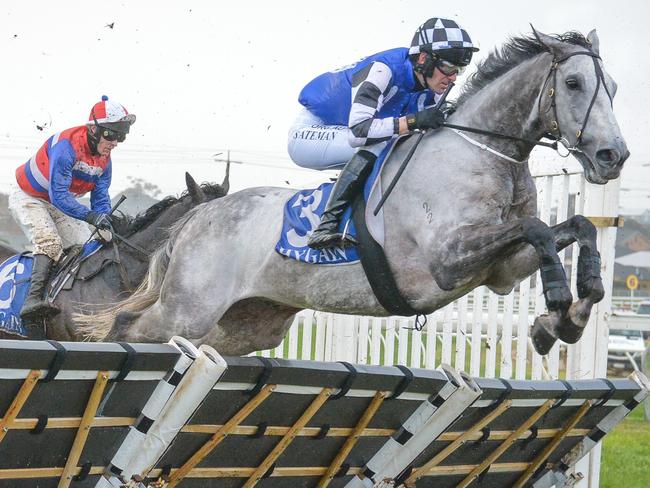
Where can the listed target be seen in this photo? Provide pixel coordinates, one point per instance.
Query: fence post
(590, 359)
(644, 370)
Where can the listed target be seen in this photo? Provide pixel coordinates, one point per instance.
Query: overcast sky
(206, 76)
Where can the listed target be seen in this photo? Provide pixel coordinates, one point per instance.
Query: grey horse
(460, 217)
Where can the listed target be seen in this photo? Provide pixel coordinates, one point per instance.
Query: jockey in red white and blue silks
(350, 114)
(65, 168)
(68, 165)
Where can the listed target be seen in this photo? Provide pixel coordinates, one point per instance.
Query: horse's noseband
(556, 131)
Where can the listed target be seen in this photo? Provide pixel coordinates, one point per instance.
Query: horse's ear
(194, 190)
(592, 39)
(225, 184)
(551, 44)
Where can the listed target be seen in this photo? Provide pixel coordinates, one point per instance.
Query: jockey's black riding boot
(36, 308)
(347, 187)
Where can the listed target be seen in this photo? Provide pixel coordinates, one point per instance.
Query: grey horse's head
(583, 116)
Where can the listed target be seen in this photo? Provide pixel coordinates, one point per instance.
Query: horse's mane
(511, 54)
(129, 225)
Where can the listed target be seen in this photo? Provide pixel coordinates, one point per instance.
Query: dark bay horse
(102, 280)
(463, 215)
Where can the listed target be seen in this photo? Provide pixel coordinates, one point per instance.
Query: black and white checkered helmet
(444, 38)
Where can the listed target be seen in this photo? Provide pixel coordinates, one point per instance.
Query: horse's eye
(572, 83)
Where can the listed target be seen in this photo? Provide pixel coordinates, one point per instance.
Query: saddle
(67, 270)
(15, 276)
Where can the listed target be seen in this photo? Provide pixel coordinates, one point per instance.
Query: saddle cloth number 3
(308, 204)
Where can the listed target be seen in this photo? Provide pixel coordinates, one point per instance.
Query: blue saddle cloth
(15, 274)
(302, 214)
(15, 277)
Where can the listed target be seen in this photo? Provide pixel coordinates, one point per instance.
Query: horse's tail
(96, 323)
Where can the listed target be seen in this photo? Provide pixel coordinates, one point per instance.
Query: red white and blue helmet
(112, 115)
(445, 39)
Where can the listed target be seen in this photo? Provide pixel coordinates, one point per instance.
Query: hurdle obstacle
(157, 415)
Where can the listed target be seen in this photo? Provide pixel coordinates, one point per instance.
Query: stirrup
(348, 241)
(335, 239)
(324, 239)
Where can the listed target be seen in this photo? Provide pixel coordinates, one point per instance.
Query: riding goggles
(449, 69)
(111, 135)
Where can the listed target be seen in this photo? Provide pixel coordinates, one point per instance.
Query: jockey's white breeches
(48, 229)
(313, 144)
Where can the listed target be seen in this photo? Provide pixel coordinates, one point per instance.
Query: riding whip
(113, 209)
(59, 281)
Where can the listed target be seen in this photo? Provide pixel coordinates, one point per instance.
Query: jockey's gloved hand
(99, 220)
(429, 118)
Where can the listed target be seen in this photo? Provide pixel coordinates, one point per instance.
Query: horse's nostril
(625, 156)
(607, 155)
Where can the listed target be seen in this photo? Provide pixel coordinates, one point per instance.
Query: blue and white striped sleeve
(370, 86)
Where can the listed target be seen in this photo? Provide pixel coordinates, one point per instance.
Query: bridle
(556, 131)
(555, 134)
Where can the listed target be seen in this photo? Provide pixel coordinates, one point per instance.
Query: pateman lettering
(311, 135)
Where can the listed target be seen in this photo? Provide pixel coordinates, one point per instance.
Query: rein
(552, 145)
(133, 246)
(487, 148)
(116, 252)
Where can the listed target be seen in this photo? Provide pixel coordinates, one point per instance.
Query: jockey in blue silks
(350, 114)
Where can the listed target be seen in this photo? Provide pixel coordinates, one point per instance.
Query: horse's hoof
(570, 333)
(542, 335)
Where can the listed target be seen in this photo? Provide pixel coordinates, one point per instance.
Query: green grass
(626, 454)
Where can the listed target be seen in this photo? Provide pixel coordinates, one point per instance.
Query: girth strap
(376, 266)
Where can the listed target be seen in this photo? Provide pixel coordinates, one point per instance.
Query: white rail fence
(483, 333)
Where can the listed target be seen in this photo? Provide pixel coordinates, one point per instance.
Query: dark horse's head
(163, 214)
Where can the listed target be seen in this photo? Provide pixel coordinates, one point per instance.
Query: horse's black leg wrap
(556, 290)
(589, 274)
(555, 285)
